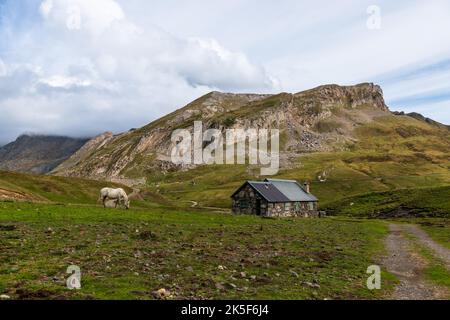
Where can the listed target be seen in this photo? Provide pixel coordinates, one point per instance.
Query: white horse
(118, 195)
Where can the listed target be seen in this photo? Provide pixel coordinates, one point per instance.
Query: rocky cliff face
(320, 119)
(37, 154)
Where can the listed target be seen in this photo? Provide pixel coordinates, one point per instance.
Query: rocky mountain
(343, 139)
(37, 153)
(321, 119)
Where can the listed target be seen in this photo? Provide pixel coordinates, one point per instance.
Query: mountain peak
(37, 153)
(355, 96)
(315, 120)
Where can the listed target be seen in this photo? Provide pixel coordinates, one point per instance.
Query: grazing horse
(118, 195)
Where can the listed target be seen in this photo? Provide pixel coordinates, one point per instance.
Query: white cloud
(206, 62)
(46, 7)
(352, 53)
(93, 69)
(81, 63)
(94, 16)
(64, 82)
(2, 68)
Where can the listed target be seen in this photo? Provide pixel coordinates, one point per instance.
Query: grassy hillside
(390, 153)
(344, 140)
(420, 202)
(41, 188)
(54, 189)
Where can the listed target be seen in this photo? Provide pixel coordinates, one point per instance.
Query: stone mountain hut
(275, 198)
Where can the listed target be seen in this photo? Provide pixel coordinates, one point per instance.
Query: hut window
(243, 204)
(297, 206)
(287, 206)
(311, 205)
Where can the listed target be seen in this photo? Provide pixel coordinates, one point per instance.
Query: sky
(82, 67)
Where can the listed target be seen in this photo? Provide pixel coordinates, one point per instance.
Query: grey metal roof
(276, 190)
(292, 190)
(268, 191)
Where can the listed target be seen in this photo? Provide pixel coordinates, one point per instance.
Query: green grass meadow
(193, 254)
(198, 252)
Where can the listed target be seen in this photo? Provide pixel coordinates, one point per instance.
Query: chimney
(306, 185)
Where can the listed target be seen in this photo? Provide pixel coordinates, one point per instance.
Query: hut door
(258, 207)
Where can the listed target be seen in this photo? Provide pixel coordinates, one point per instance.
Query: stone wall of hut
(293, 209)
(246, 202)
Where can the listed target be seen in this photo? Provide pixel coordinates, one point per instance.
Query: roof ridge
(260, 182)
(282, 180)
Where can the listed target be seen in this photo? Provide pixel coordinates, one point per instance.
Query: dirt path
(194, 203)
(408, 267)
(438, 250)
